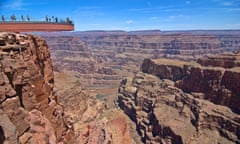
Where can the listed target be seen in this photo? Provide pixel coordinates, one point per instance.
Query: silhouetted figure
(28, 19)
(13, 18)
(56, 19)
(67, 20)
(46, 18)
(3, 18)
(22, 18)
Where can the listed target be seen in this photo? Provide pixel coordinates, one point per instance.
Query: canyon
(102, 58)
(189, 100)
(115, 87)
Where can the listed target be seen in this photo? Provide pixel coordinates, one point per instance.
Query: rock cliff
(29, 111)
(35, 108)
(185, 102)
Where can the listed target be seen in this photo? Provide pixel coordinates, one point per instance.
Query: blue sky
(132, 14)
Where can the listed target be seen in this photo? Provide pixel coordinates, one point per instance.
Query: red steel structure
(18, 26)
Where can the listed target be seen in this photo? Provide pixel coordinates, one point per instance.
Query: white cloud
(88, 12)
(187, 2)
(14, 5)
(154, 18)
(236, 25)
(233, 9)
(176, 16)
(149, 4)
(129, 21)
(152, 9)
(90, 7)
(227, 3)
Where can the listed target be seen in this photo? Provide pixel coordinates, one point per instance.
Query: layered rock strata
(183, 102)
(34, 111)
(101, 58)
(216, 78)
(29, 111)
(72, 55)
(93, 122)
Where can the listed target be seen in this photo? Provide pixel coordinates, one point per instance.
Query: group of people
(13, 18)
(55, 19)
(48, 19)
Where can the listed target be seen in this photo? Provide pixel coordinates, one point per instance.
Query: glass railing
(27, 19)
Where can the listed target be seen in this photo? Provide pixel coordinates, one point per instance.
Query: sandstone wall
(29, 111)
(182, 102)
(218, 84)
(35, 108)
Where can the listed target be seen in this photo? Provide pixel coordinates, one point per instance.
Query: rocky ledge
(185, 102)
(29, 112)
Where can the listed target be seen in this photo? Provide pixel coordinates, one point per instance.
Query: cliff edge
(185, 102)
(29, 111)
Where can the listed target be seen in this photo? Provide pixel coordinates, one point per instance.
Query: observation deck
(32, 26)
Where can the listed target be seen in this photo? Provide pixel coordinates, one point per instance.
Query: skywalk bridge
(22, 24)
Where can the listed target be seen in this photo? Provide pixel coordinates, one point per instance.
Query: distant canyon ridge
(102, 58)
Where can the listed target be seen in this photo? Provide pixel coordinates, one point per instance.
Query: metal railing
(27, 19)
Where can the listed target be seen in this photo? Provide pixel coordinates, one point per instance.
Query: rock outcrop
(184, 102)
(106, 131)
(214, 77)
(29, 111)
(35, 108)
(223, 60)
(93, 122)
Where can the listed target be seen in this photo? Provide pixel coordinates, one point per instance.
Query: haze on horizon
(131, 15)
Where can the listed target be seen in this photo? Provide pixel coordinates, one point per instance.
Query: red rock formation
(71, 55)
(29, 111)
(106, 131)
(216, 83)
(92, 121)
(183, 102)
(223, 60)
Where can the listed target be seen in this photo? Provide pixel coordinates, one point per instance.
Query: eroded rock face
(71, 55)
(30, 112)
(106, 131)
(223, 60)
(102, 58)
(92, 120)
(182, 102)
(28, 109)
(218, 82)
